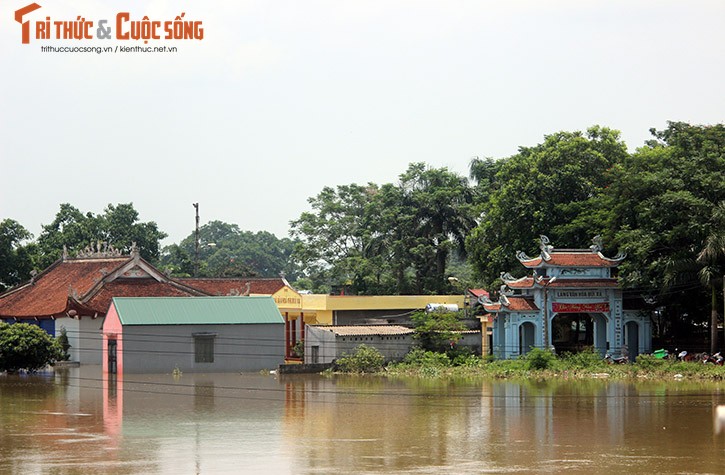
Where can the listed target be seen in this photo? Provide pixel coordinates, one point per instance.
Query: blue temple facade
(571, 300)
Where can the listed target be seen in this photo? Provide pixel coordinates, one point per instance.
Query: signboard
(580, 294)
(558, 307)
(287, 298)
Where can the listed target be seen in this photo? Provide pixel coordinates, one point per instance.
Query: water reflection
(76, 421)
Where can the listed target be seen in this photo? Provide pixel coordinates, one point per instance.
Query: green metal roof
(196, 310)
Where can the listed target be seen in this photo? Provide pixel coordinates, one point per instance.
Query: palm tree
(712, 259)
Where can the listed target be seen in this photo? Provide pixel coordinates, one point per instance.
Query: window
(204, 347)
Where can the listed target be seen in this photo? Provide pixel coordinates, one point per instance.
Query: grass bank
(540, 365)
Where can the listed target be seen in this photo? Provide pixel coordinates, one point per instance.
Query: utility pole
(196, 242)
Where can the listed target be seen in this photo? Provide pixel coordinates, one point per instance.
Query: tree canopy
(552, 188)
(394, 238)
(118, 226)
(16, 254)
(26, 347)
(227, 251)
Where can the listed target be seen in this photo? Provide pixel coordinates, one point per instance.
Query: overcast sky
(282, 98)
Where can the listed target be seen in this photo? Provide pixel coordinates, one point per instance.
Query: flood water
(73, 421)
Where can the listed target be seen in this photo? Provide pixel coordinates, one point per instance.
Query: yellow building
(299, 310)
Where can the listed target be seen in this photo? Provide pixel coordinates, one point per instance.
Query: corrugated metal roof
(196, 310)
(357, 330)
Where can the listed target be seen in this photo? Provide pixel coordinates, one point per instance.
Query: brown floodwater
(74, 421)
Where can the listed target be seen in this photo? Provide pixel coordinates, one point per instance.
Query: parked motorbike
(717, 359)
(618, 360)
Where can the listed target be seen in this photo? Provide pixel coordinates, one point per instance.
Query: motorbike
(717, 359)
(624, 359)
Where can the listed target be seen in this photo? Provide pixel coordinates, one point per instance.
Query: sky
(280, 99)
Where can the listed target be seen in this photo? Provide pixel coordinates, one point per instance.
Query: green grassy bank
(537, 364)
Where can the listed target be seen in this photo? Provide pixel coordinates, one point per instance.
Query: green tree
(440, 203)
(336, 239)
(553, 188)
(712, 259)
(438, 330)
(118, 226)
(663, 201)
(26, 347)
(16, 261)
(227, 251)
(390, 239)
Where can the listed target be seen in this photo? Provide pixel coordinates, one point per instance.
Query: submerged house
(570, 301)
(199, 335)
(75, 293)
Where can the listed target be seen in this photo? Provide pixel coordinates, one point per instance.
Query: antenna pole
(196, 242)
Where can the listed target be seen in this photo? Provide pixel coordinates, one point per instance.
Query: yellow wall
(376, 302)
(325, 305)
(319, 308)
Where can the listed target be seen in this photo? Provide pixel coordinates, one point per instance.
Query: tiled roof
(584, 283)
(478, 292)
(48, 294)
(135, 288)
(235, 286)
(528, 282)
(360, 330)
(515, 304)
(521, 304)
(572, 259)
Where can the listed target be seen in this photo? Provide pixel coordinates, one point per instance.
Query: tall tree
(440, 203)
(16, 261)
(391, 239)
(227, 251)
(335, 239)
(118, 226)
(663, 200)
(712, 259)
(551, 188)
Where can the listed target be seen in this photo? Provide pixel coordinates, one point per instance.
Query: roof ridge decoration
(546, 247)
(597, 245)
(101, 249)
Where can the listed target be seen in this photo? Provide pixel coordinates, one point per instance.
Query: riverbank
(541, 365)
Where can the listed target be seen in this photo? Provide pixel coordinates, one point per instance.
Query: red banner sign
(557, 307)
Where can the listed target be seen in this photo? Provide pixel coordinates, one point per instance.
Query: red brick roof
(521, 304)
(528, 282)
(136, 288)
(49, 293)
(235, 286)
(515, 304)
(572, 259)
(479, 292)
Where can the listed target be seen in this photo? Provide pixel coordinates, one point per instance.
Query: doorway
(112, 347)
(526, 337)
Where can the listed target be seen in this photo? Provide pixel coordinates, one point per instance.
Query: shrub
(539, 359)
(588, 358)
(365, 359)
(64, 344)
(421, 357)
(437, 331)
(650, 362)
(28, 347)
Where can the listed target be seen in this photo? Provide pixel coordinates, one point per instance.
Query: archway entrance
(631, 337)
(526, 337)
(572, 332)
